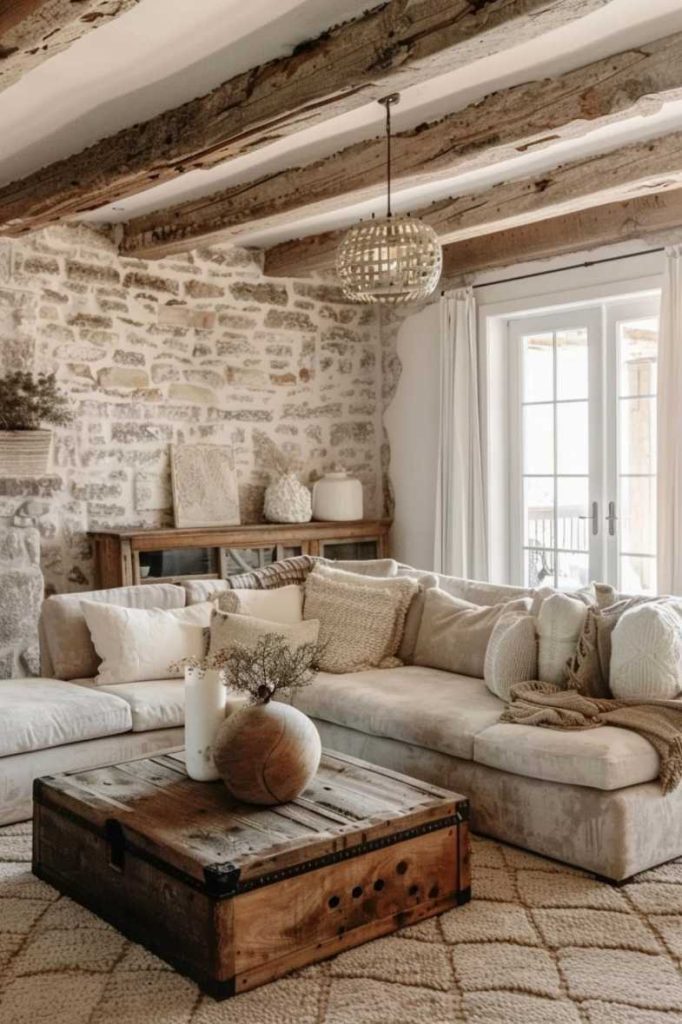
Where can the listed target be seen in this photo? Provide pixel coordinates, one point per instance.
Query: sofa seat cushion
(423, 706)
(153, 704)
(603, 758)
(39, 713)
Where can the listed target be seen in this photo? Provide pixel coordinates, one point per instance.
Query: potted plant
(27, 401)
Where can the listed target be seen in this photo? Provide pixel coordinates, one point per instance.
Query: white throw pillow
(646, 652)
(512, 653)
(282, 604)
(141, 643)
(559, 624)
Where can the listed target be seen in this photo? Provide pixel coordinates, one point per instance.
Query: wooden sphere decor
(267, 753)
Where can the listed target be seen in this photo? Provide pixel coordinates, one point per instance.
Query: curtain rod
(572, 266)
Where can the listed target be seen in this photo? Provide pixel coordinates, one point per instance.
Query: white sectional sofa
(589, 798)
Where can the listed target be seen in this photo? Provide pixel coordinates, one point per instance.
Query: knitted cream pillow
(512, 653)
(646, 652)
(361, 618)
(559, 624)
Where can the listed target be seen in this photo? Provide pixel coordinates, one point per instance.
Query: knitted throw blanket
(658, 721)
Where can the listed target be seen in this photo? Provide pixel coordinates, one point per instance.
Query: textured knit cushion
(66, 632)
(646, 652)
(141, 643)
(454, 633)
(559, 624)
(284, 604)
(512, 653)
(228, 629)
(361, 618)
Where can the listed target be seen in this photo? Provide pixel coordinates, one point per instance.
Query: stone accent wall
(191, 348)
(21, 594)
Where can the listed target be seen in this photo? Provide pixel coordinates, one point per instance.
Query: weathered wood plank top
(197, 828)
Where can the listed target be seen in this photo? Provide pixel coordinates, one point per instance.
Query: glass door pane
(636, 340)
(556, 458)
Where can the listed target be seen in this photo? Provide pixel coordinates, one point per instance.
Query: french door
(583, 446)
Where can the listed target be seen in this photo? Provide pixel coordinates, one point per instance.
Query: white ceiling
(165, 52)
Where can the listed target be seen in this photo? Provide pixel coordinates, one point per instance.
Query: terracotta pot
(267, 753)
(24, 452)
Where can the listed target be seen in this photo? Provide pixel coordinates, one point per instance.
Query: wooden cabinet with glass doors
(127, 557)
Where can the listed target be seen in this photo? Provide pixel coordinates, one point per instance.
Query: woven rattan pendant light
(395, 259)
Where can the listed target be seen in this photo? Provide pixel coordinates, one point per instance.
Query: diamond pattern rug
(539, 944)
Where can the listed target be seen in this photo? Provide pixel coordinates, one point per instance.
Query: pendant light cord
(388, 158)
(387, 102)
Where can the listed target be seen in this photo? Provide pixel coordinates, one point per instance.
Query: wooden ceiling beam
(618, 175)
(31, 31)
(399, 44)
(653, 220)
(498, 127)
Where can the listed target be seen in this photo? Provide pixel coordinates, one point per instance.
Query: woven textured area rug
(539, 944)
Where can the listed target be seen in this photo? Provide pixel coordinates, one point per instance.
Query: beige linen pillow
(454, 634)
(646, 652)
(361, 618)
(228, 629)
(285, 604)
(512, 653)
(560, 622)
(135, 644)
(413, 619)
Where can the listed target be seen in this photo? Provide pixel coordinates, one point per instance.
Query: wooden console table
(127, 557)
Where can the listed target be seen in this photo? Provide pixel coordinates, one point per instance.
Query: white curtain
(669, 554)
(460, 535)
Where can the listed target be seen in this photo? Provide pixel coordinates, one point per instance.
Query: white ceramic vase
(337, 497)
(287, 500)
(204, 714)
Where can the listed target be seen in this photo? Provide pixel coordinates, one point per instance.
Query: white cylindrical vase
(204, 714)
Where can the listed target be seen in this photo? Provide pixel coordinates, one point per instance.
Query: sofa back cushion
(454, 633)
(198, 591)
(68, 649)
(480, 593)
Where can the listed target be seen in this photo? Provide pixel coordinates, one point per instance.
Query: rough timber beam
(401, 43)
(653, 220)
(501, 126)
(33, 30)
(621, 174)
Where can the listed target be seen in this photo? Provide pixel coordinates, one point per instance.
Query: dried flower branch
(270, 456)
(270, 667)
(27, 401)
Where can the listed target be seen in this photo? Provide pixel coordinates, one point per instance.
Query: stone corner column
(21, 595)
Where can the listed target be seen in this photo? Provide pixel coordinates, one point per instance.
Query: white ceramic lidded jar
(337, 497)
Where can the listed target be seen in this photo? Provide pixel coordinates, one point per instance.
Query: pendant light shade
(392, 260)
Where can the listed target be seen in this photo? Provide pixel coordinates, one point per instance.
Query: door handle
(594, 518)
(612, 518)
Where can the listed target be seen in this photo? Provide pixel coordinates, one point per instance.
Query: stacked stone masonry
(195, 348)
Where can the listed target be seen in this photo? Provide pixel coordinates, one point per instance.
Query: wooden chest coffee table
(235, 895)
